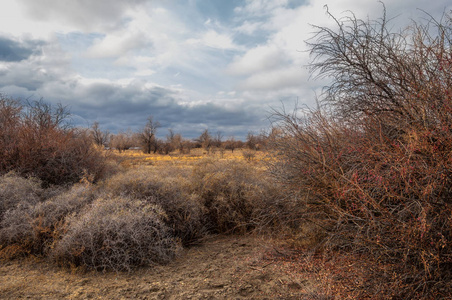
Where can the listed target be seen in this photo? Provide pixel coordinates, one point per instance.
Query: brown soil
(221, 268)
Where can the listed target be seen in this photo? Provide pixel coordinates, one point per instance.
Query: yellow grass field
(137, 157)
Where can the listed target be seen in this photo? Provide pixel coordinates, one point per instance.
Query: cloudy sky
(192, 64)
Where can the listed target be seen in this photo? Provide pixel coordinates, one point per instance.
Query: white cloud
(220, 41)
(261, 7)
(250, 28)
(84, 15)
(258, 59)
(213, 39)
(117, 44)
(109, 51)
(280, 79)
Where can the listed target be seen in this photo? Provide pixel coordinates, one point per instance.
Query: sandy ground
(221, 268)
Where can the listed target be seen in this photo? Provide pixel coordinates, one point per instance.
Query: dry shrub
(375, 159)
(34, 141)
(116, 233)
(17, 191)
(168, 188)
(216, 196)
(237, 197)
(248, 155)
(33, 229)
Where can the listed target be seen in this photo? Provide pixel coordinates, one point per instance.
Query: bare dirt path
(221, 268)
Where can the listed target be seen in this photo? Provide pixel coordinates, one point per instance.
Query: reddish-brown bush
(375, 159)
(34, 141)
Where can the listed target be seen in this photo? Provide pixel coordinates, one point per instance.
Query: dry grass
(130, 158)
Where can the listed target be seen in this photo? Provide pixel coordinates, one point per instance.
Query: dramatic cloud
(119, 104)
(11, 50)
(221, 65)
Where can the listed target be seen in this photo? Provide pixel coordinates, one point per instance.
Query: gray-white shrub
(116, 233)
(35, 227)
(18, 191)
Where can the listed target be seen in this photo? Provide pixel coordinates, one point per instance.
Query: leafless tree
(147, 136)
(175, 140)
(379, 72)
(255, 141)
(230, 144)
(217, 139)
(205, 139)
(122, 140)
(99, 137)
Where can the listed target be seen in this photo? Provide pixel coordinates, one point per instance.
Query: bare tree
(205, 139)
(186, 146)
(99, 137)
(122, 140)
(217, 139)
(230, 144)
(252, 141)
(174, 140)
(147, 136)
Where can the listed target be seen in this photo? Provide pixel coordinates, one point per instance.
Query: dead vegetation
(374, 159)
(362, 184)
(35, 141)
(116, 233)
(137, 217)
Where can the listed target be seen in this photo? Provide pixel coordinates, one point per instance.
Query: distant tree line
(146, 140)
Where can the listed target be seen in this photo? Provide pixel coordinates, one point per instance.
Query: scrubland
(140, 215)
(351, 200)
(152, 212)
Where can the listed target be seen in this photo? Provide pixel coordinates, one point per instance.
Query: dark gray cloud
(120, 107)
(36, 64)
(23, 76)
(11, 50)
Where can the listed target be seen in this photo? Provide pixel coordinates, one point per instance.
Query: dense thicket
(375, 158)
